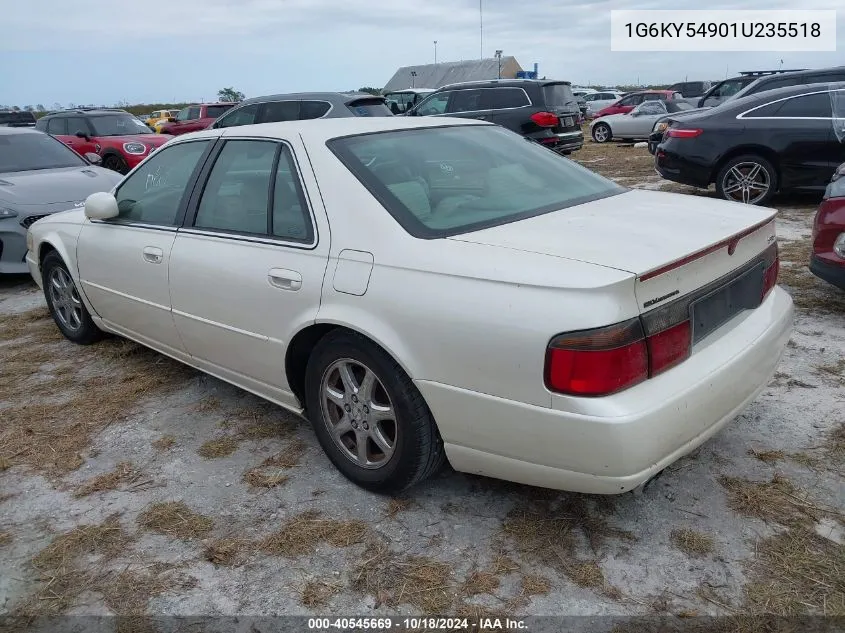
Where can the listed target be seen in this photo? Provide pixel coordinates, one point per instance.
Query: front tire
(65, 304)
(601, 133)
(115, 163)
(749, 178)
(370, 419)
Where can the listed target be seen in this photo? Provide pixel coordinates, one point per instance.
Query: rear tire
(601, 133)
(384, 441)
(65, 304)
(748, 178)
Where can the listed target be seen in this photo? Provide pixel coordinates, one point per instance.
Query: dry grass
(164, 443)
(692, 543)
(769, 457)
(5, 538)
(317, 593)
(585, 574)
(479, 582)
(392, 580)
(124, 472)
(535, 585)
(261, 421)
(835, 444)
(832, 370)
(228, 552)
(303, 533)
(774, 501)
(174, 518)
(54, 406)
(797, 572)
(395, 506)
(809, 293)
(289, 456)
(207, 404)
(128, 591)
(256, 478)
(219, 447)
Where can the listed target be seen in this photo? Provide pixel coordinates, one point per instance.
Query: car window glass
(494, 98)
(215, 111)
(814, 106)
(242, 116)
(313, 109)
(369, 107)
(237, 193)
(650, 107)
(465, 101)
(275, 111)
(652, 96)
(24, 152)
(57, 125)
(77, 124)
(153, 192)
(290, 213)
(557, 95)
(435, 104)
(183, 114)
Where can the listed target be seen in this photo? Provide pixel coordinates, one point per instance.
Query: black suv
(543, 110)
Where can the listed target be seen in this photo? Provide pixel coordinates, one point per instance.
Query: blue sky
(105, 51)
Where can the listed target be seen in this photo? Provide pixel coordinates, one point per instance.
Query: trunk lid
(674, 244)
(560, 100)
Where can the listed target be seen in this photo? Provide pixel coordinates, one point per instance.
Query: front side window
(154, 191)
(650, 107)
(118, 125)
(57, 125)
(805, 106)
(24, 152)
(465, 101)
(435, 104)
(76, 125)
(241, 116)
(445, 181)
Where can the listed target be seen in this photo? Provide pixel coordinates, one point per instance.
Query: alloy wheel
(64, 298)
(601, 133)
(358, 413)
(747, 182)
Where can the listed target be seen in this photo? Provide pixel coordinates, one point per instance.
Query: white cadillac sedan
(428, 289)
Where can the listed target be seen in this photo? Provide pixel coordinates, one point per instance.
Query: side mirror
(93, 158)
(82, 135)
(101, 206)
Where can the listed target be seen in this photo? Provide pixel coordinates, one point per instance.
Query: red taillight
(597, 362)
(669, 347)
(770, 278)
(683, 133)
(545, 119)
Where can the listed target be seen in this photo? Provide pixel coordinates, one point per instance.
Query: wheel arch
(760, 150)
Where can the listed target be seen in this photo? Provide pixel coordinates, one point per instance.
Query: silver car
(39, 176)
(637, 124)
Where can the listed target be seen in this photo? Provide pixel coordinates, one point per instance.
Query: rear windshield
(12, 118)
(23, 152)
(443, 181)
(558, 95)
(216, 110)
(369, 107)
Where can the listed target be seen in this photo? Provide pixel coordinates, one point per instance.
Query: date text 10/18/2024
(415, 624)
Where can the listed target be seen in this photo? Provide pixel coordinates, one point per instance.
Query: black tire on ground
(86, 332)
(602, 131)
(115, 163)
(418, 449)
(745, 164)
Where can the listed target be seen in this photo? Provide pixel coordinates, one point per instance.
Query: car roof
(19, 130)
(322, 130)
(87, 112)
(410, 91)
(490, 83)
(338, 98)
(780, 93)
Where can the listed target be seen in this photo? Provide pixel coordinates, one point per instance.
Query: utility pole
(481, 28)
(499, 57)
(435, 52)
(413, 78)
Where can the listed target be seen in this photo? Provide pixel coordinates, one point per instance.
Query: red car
(633, 99)
(828, 259)
(120, 139)
(195, 117)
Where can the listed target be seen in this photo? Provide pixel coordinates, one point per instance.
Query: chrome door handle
(285, 279)
(153, 255)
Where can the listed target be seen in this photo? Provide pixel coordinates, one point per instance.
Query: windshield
(558, 95)
(23, 152)
(118, 125)
(369, 107)
(444, 181)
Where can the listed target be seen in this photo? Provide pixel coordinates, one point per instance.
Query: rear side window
(217, 110)
(496, 98)
(313, 109)
(275, 111)
(57, 125)
(369, 107)
(558, 95)
(806, 106)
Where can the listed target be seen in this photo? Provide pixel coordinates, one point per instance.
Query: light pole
(499, 57)
(435, 51)
(413, 78)
(481, 29)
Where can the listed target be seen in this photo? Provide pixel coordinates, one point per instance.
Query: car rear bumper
(12, 247)
(562, 141)
(674, 167)
(653, 424)
(831, 273)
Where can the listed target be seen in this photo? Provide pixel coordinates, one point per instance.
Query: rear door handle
(153, 255)
(285, 279)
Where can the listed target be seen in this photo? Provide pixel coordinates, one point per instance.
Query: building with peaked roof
(441, 74)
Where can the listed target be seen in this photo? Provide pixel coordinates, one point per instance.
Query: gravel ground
(131, 485)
